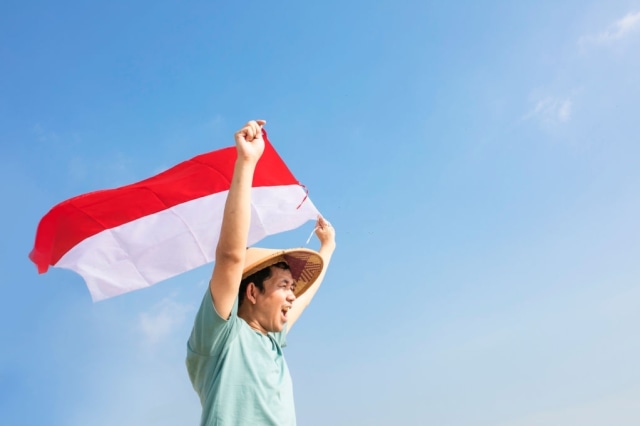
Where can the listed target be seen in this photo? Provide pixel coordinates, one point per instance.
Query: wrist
(244, 163)
(327, 247)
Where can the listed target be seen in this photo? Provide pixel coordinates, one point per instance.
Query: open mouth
(285, 310)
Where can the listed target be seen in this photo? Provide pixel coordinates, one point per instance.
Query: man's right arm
(232, 245)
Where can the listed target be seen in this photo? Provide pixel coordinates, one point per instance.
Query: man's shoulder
(209, 329)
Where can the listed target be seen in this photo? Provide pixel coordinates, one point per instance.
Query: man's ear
(251, 293)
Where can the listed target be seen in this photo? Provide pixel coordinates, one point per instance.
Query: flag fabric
(137, 235)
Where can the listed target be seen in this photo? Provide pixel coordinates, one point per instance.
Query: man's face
(273, 305)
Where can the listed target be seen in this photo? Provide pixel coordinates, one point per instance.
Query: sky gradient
(479, 161)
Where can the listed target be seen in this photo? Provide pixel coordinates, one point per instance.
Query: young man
(234, 353)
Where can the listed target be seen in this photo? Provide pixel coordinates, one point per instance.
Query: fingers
(255, 128)
(323, 223)
(325, 232)
(251, 130)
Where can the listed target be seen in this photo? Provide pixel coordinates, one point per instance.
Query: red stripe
(81, 217)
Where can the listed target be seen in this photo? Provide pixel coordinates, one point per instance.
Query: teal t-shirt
(240, 374)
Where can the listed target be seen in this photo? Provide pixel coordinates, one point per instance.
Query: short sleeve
(209, 327)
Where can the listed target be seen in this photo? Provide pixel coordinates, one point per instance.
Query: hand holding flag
(249, 141)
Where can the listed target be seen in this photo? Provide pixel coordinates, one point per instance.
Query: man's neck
(251, 321)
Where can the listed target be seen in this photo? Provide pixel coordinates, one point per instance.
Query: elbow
(230, 256)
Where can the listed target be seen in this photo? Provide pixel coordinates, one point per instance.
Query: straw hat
(305, 264)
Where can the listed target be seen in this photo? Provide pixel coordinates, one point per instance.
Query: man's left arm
(327, 236)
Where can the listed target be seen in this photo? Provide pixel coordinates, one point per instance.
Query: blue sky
(479, 160)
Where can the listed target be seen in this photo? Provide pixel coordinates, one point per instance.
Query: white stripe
(153, 248)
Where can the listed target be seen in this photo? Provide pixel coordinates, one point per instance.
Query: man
(234, 353)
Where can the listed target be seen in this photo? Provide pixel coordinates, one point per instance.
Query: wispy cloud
(551, 110)
(620, 29)
(118, 169)
(108, 171)
(216, 122)
(45, 135)
(162, 320)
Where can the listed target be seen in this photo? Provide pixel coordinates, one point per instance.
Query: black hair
(258, 279)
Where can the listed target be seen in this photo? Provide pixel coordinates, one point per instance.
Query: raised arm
(231, 249)
(327, 236)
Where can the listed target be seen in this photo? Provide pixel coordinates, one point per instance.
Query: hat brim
(305, 264)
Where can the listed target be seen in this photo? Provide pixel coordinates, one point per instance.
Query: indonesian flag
(134, 236)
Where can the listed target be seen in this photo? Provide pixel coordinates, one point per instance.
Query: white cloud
(551, 110)
(620, 29)
(564, 111)
(162, 320)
